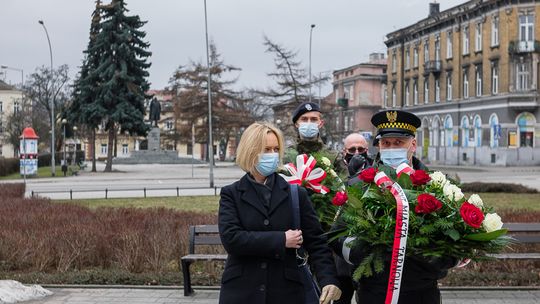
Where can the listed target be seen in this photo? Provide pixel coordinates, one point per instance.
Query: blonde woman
(255, 225)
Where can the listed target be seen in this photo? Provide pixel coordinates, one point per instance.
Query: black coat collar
(280, 192)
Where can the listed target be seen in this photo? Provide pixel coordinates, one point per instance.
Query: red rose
(471, 215)
(420, 177)
(427, 203)
(340, 198)
(368, 175)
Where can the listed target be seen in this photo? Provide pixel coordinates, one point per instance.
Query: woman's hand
(330, 293)
(293, 238)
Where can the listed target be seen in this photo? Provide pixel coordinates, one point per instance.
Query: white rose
(492, 222)
(438, 178)
(476, 200)
(452, 192)
(332, 172)
(326, 161)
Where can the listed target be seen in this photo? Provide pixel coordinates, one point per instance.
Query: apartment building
(471, 74)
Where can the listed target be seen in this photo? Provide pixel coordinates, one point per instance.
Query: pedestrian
(256, 229)
(397, 144)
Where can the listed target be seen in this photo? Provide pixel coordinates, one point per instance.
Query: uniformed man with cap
(307, 119)
(397, 144)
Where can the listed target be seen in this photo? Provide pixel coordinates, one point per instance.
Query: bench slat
(205, 257)
(522, 227)
(517, 256)
(207, 240)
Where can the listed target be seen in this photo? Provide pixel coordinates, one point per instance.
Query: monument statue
(155, 112)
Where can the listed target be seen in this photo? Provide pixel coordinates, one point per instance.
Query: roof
(6, 87)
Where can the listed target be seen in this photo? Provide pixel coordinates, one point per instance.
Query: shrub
(12, 190)
(8, 166)
(37, 235)
(478, 187)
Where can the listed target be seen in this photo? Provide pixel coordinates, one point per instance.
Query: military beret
(304, 108)
(395, 123)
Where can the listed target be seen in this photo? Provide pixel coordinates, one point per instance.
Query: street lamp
(210, 140)
(53, 167)
(310, 35)
(64, 123)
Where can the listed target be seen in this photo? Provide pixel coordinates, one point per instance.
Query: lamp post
(210, 140)
(74, 158)
(64, 123)
(53, 167)
(310, 36)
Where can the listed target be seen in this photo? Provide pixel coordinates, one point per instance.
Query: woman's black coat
(259, 268)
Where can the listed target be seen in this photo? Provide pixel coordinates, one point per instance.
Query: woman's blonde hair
(253, 142)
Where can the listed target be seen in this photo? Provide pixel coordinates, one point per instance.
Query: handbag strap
(295, 206)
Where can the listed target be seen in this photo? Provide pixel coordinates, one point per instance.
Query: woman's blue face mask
(268, 163)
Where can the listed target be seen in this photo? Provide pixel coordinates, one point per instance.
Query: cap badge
(392, 116)
(309, 107)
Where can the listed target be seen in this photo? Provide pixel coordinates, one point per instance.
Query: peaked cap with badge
(395, 123)
(304, 108)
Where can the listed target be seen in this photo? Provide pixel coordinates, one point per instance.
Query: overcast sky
(346, 32)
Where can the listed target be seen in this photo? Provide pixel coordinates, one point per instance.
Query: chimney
(433, 9)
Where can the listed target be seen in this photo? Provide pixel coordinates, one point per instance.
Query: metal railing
(106, 191)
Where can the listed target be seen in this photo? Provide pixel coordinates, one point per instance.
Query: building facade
(10, 101)
(471, 74)
(359, 92)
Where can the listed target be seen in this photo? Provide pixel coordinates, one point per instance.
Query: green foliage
(370, 217)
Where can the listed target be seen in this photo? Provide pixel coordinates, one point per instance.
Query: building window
(437, 90)
(464, 131)
(477, 123)
(426, 51)
(526, 122)
(407, 94)
(394, 63)
(426, 90)
(438, 49)
(522, 79)
(526, 28)
(415, 92)
(16, 107)
(1, 107)
(478, 79)
(478, 41)
(448, 139)
(125, 149)
(449, 86)
(495, 31)
(104, 149)
(385, 96)
(466, 40)
(407, 59)
(449, 45)
(495, 131)
(465, 83)
(394, 96)
(495, 78)
(415, 57)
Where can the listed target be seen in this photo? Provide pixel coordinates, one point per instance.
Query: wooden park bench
(524, 233)
(200, 235)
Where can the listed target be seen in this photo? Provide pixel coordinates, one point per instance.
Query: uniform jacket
(259, 269)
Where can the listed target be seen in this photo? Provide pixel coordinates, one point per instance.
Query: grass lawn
(208, 203)
(529, 201)
(42, 172)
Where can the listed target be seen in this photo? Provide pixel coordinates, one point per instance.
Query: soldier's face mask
(395, 156)
(308, 129)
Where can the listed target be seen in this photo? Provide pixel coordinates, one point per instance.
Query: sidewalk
(168, 295)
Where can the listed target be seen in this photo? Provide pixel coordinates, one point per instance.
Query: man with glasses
(355, 154)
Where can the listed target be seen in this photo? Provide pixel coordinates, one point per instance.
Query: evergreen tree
(83, 110)
(122, 73)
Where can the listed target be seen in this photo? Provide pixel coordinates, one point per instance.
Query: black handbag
(312, 290)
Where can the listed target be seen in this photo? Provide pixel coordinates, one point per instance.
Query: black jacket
(259, 268)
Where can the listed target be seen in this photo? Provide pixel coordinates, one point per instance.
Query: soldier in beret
(397, 144)
(307, 119)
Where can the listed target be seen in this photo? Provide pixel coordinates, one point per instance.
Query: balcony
(433, 66)
(517, 46)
